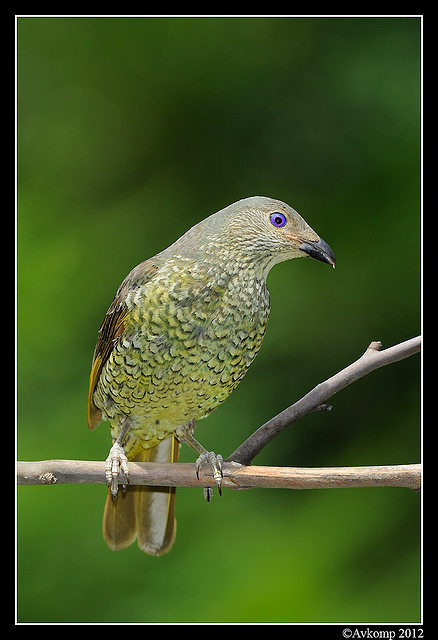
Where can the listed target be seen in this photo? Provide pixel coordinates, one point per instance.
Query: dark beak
(319, 250)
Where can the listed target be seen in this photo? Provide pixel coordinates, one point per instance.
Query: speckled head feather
(244, 233)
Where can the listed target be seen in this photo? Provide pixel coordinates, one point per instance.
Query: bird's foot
(215, 463)
(116, 460)
(206, 458)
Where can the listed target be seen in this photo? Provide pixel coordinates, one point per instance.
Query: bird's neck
(246, 266)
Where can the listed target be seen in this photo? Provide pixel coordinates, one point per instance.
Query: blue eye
(278, 219)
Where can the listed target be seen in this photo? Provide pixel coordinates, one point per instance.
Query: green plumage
(187, 343)
(185, 326)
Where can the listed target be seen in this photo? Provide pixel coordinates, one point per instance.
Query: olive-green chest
(188, 341)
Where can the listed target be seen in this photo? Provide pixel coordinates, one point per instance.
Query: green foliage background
(130, 130)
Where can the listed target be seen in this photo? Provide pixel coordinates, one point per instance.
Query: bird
(177, 339)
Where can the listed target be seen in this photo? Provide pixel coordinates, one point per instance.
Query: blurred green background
(130, 130)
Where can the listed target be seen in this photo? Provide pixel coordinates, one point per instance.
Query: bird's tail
(142, 512)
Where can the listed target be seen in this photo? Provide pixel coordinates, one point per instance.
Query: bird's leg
(117, 460)
(214, 461)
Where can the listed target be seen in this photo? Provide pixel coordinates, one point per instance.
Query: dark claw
(199, 463)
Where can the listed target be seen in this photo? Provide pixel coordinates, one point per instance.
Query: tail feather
(119, 528)
(143, 512)
(155, 506)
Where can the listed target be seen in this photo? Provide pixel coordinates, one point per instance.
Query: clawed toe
(116, 460)
(215, 462)
(209, 458)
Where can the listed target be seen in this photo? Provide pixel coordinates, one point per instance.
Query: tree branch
(235, 476)
(238, 476)
(315, 400)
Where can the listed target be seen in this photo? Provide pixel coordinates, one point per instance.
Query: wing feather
(111, 329)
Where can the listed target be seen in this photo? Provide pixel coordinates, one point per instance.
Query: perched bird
(178, 338)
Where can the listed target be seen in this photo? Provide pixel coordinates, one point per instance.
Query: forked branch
(236, 474)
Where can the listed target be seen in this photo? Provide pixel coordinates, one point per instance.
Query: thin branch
(372, 359)
(235, 475)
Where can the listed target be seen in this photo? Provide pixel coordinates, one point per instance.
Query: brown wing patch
(111, 329)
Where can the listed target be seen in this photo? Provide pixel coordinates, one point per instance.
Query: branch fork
(237, 473)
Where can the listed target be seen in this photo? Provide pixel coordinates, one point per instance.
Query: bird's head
(254, 233)
(272, 230)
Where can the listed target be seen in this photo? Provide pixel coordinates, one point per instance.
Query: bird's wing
(111, 329)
